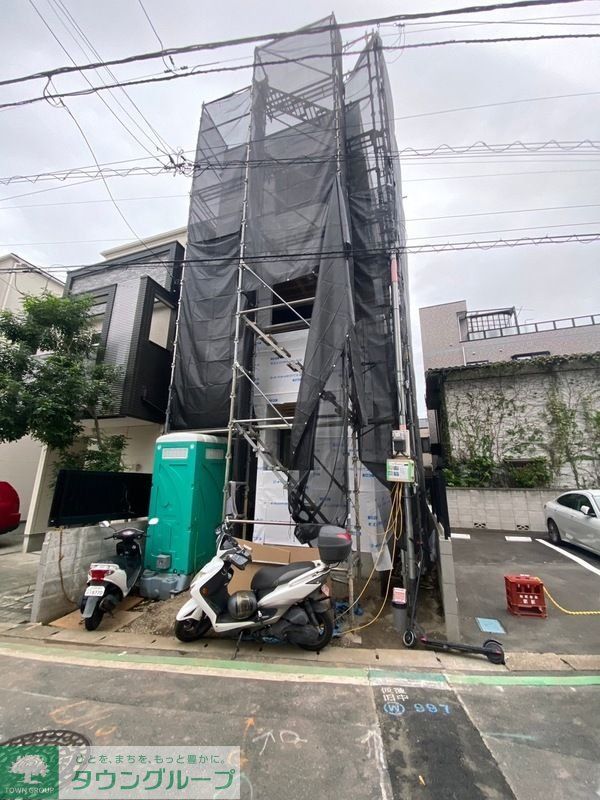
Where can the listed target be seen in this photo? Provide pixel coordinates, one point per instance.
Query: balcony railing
(535, 327)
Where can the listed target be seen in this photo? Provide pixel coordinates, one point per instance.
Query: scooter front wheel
(190, 629)
(91, 623)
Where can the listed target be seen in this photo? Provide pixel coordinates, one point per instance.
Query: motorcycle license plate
(325, 590)
(94, 591)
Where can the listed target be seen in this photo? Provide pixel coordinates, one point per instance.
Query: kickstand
(237, 646)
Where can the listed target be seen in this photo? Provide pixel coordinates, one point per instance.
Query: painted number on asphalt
(396, 703)
(398, 709)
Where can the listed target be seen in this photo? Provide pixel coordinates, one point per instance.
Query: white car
(575, 517)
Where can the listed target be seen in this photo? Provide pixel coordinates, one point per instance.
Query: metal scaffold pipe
(407, 500)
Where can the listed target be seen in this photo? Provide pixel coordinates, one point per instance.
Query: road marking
(520, 736)
(574, 558)
(460, 535)
(194, 666)
(364, 676)
(518, 538)
(455, 679)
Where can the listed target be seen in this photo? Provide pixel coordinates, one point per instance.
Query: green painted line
(378, 674)
(524, 680)
(373, 675)
(184, 661)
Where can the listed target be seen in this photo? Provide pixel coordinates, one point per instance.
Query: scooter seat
(270, 577)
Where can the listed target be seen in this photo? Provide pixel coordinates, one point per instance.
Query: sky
(453, 95)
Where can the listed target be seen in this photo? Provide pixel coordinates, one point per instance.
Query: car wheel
(553, 532)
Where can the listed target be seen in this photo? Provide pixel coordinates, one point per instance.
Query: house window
(160, 324)
(97, 315)
(100, 312)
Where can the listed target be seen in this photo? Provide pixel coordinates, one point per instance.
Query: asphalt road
(482, 561)
(330, 734)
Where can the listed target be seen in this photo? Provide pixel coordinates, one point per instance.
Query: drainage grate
(522, 527)
(480, 525)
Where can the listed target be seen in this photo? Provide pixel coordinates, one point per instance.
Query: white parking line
(577, 560)
(518, 538)
(460, 535)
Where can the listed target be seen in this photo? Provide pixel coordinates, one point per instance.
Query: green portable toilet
(187, 499)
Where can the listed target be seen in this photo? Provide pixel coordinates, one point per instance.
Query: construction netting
(296, 179)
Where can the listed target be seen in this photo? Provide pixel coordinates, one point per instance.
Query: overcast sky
(56, 224)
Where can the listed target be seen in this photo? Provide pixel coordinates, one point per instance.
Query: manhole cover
(74, 747)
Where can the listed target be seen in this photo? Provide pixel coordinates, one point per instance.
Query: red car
(9, 508)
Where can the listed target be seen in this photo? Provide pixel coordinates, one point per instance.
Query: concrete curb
(335, 657)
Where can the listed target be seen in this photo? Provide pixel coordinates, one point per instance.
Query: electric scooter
(110, 581)
(289, 603)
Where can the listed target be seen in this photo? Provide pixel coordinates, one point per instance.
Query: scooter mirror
(153, 521)
(104, 524)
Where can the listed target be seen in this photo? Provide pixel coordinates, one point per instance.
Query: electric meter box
(187, 499)
(400, 470)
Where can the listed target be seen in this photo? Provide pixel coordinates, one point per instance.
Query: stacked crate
(525, 596)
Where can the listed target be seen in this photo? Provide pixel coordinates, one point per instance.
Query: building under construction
(293, 333)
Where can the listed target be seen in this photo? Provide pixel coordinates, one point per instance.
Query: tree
(28, 766)
(51, 377)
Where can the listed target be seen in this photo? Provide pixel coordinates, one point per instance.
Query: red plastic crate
(525, 596)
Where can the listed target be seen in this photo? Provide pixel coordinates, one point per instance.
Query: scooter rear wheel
(325, 622)
(495, 651)
(189, 630)
(91, 623)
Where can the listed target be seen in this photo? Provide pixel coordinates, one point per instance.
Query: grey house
(134, 316)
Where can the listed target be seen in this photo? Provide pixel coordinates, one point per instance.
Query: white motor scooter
(289, 602)
(112, 580)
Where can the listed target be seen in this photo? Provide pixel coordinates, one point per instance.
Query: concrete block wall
(69, 552)
(499, 509)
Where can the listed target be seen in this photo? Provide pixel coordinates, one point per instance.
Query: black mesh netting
(298, 176)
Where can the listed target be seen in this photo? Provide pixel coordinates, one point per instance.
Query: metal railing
(534, 327)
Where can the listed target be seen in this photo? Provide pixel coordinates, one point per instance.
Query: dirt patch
(157, 617)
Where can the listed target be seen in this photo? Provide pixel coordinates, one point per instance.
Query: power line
(144, 198)
(187, 167)
(364, 23)
(160, 41)
(196, 71)
(503, 230)
(429, 247)
(410, 238)
(83, 37)
(493, 213)
(86, 79)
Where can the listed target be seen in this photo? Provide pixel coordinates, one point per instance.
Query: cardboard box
(264, 555)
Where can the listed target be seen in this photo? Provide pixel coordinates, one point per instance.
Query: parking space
(483, 559)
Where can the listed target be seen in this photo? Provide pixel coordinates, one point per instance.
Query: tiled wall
(498, 509)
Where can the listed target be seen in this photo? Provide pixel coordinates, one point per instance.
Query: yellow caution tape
(565, 611)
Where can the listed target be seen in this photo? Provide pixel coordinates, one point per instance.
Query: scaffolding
(297, 180)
